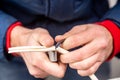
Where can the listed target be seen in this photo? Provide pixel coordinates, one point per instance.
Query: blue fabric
(57, 16)
(114, 14)
(59, 10)
(75, 9)
(5, 22)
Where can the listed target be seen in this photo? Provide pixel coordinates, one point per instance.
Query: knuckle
(34, 62)
(34, 35)
(103, 44)
(85, 65)
(36, 76)
(41, 75)
(76, 27)
(91, 71)
(85, 73)
(73, 66)
(82, 28)
(79, 66)
(61, 74)
(80, 73)
(40, 30)
(82, 55)
(74, 40)
(49, 41)
(33, 72)
(40, 64)
(37, 62)
(63, 59)
(71, 42)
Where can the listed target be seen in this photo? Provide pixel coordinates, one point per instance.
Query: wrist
(115, 32)
(8, 34)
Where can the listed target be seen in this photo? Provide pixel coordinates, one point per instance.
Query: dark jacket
(58, 16)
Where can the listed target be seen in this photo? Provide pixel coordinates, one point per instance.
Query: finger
(74, 30)
(55, 69)
(80, 54)
(43, 37)
(59, 38)
(77, 40)
(37, 73)
(85, 64)
(89, 71)
(46, 40)
(34, 71)
(42, 62)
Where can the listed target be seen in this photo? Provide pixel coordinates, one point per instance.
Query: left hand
(37, 63)
(97, 45)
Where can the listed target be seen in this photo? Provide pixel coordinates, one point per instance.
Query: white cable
(41, 48)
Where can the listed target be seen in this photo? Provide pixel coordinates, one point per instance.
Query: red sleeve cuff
(9, 33)
(115, 32)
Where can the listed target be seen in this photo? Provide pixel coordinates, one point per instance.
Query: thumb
(46, 40)
(43, 37)
(67, 34)
(59, 38)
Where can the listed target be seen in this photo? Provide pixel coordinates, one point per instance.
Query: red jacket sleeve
(112, 27)
(9, 33)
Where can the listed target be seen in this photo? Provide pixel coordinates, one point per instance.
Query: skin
(96, 42)
(37, 63)
(97, 45)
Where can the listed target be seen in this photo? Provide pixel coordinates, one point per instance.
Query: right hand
(37, 63)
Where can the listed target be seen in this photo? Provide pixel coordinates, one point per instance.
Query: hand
(37, 63)
(97, 45)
